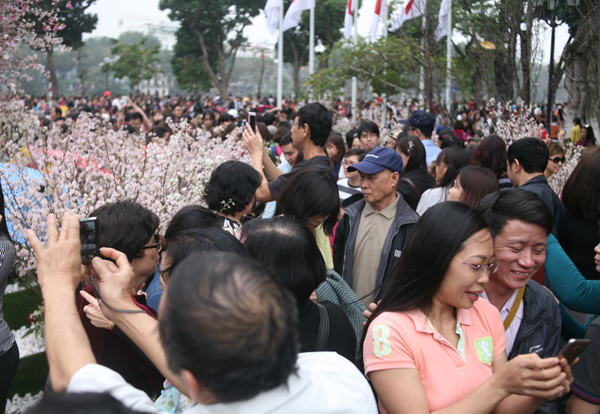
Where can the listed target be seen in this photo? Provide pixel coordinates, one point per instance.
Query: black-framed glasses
(157, 243)
(482, 268)
(556, 160)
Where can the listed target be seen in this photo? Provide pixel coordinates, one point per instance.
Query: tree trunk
(80, 71)
(260, 78)
(581, 70)
(525, 40)
(427, 71)
(52, 70)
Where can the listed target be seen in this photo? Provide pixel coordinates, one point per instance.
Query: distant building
(159, 85)
(163, 29)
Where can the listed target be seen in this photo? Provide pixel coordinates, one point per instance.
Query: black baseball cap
(420, 119)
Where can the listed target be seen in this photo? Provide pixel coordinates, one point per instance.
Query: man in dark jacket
(371, 234)
(527, 161)
(520, 223)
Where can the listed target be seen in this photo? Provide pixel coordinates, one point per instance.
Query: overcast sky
(111, 11)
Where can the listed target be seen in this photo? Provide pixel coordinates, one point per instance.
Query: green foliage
(31, 375)
(134, 61)
(187, 65)
(76, 20)
(217, 26)
(18, 305)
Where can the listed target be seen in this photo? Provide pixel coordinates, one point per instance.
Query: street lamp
(552, 5)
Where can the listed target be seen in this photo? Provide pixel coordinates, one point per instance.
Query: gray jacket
(345, 240)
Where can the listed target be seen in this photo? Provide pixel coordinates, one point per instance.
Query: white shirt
(432, 197)
(325, 383)
(511, 332)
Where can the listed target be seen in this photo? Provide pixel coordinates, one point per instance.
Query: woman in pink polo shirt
(433, 346)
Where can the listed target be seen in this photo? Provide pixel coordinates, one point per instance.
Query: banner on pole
(272, 12)
(348, 20)
(294, 13)
(380, 9)
(413, 9)
(442, 29)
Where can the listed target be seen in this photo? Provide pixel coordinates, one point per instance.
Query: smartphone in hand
(89, 234)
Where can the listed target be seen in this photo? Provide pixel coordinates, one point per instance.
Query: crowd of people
(333, 274)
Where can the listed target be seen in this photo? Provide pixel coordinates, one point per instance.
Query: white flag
(272, 12)
(348, 20)
(294, 13)
(442, 29)
(380, 9)
(412, 10)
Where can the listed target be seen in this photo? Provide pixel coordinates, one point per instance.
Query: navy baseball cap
(378, 160)
(420, 119)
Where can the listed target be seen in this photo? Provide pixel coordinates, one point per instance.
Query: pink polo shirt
(406, 340)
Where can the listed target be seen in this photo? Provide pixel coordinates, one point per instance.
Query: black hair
(338, 142)
(231, 187)
(126, 226)
(191, 218)
(357, 151)
(351, 135)
(79, 403)
(210, 113)
(286, 139)
(449, 140)
(419, 274)
(268, 118)
(491, 154)
(289, 249)
(455, 159)
(368, 126)
(161, 130)
(515, 204)
(414, 148)
(312, 192)
(531, 153)
(230, 324)
(3, 226)
(476, 183)
(225, 118)
(200, 240)
(577, 120)
(136, 115)
(318, 119)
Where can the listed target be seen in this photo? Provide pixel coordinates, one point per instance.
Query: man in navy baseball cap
(420, 124)
(378, 160)
(371, 234)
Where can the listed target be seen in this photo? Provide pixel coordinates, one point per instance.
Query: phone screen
(88, 233)
(252, 120)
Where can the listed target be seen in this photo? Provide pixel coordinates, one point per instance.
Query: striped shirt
(7, 260)
(511, 332)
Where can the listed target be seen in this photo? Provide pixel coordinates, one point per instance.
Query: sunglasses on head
(556, 160)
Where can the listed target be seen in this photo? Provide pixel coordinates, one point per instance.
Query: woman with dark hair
(312, 198)
(491, 154)
(447, 139)
(430, 330)
(449, 162)
(587, 136)
(578, 228)
(415, 178)
(230, 193)
(287, 247)
(208, 121)
(9, 350)
(335, 150)
(556, 159)
(472, 184)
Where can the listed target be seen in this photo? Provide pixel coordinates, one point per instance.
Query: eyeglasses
(156, 245)
(482, 268)
(556, 160)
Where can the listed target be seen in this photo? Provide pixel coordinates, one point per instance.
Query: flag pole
(449, 62)
(385, 35)
(355, 40)
(280, 57)
(311, 56)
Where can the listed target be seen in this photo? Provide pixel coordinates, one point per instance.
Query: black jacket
(539, 331)
(422, 180)
(345, 239)
(539, 185)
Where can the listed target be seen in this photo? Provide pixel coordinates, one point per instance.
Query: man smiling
(520, 223)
